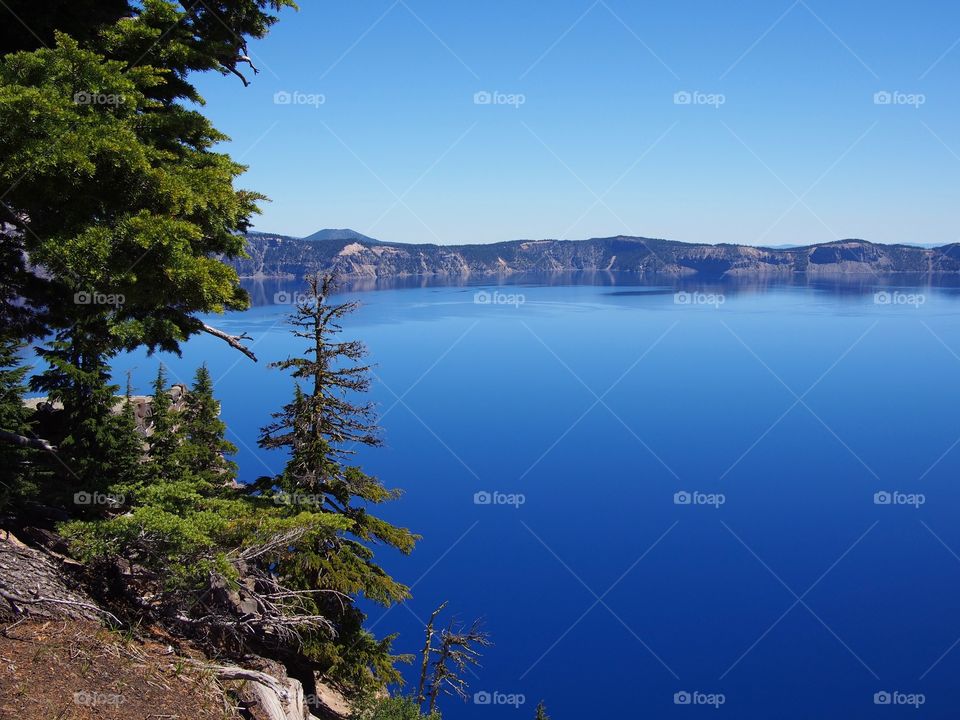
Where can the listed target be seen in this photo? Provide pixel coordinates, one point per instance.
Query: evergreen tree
(204, 445)
(541, 712)
(397, 708)
(108, 166)
(14, 423)
(13, 413)
(167, 437)
(78, 377)
(318, 428)
(118, 213)
(130, 453)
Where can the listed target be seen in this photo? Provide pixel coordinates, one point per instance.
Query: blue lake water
(797, 597)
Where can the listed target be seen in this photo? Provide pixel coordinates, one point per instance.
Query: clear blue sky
(798, 151)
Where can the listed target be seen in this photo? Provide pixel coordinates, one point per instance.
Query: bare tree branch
(23, 441)
(233, 341)
(15, 599)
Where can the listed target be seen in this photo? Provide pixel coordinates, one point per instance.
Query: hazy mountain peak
(338, 234)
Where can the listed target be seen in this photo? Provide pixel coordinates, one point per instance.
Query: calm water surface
(783, 585)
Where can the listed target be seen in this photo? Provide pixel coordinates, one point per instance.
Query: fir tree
(130, 451)
(94, 188)
(13, 413)
(204, 446)
(167, 437)
(78, 377)
(319, 428)
(14, 423)
(541, 712)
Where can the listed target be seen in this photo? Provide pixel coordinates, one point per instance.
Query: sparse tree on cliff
(456, 652)
(319, 428)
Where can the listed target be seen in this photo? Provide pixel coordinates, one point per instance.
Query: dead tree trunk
(427, 649)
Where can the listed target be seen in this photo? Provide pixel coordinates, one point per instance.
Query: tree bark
(231, 340)
(277, 700)
(427, 646)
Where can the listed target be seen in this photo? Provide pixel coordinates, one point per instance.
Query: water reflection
(274, 291)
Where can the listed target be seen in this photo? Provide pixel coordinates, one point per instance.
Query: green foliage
(115, 194)
(176, 523)
(318, 427)
(181, 535)
(13, 414)
(142, 203)
(184, 37)
(14, 418)
(183, 523)
(204, 449)
(167, 437)
(541, 712)
(120, 214)
(78, 376)
(130, 448)
(396, 708)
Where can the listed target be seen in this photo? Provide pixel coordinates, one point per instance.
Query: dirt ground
(77, 670)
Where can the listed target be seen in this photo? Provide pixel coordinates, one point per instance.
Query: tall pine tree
(319, 428)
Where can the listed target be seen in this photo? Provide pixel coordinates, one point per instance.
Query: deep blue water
(798, 597)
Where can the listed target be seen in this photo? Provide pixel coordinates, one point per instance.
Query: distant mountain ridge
(354, 255)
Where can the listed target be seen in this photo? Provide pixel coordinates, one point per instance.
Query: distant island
(353, 255)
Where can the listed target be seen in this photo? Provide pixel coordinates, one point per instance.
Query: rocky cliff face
(360, 257)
